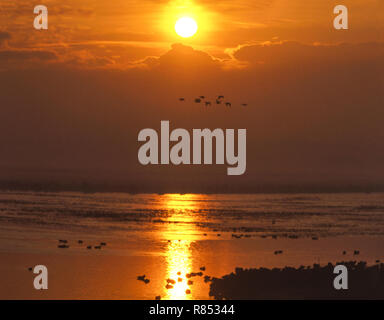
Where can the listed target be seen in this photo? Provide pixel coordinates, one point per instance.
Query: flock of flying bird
(218, 100)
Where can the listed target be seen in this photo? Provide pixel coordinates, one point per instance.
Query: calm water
(163, 235)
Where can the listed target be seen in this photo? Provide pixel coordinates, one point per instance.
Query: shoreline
(306, 282)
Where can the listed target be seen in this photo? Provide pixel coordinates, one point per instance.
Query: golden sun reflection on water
(178, 250)
(179, 263)
(181, 201)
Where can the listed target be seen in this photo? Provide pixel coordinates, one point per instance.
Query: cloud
(13, 59)
(71, 10)
(23, 55)
(4, 36)
(230, 6)
(182, 57)
(84, 58)
(290, 52)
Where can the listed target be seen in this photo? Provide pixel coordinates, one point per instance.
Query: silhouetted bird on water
(220, 97)
(202, 97)
(103, 244)
(194, 274)
(89, 247)
(197, 100)
(207, 103)
(202, 268)
(142, 278)
(181, 99)
(80, 241)
(63, 246)
(344, 252)
(30, 269)
(218, 101)
(244, 104)
(228, 104)
(97, 247)
(356, 252)
(158, 298)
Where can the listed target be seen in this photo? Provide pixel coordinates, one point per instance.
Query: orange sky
(117, 33)
(74, 97)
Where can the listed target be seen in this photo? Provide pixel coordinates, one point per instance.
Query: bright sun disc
(186, 27)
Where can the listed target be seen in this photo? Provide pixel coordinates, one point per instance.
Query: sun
(186, 27)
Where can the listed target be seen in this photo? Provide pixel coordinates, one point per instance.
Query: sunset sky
(74, 97)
